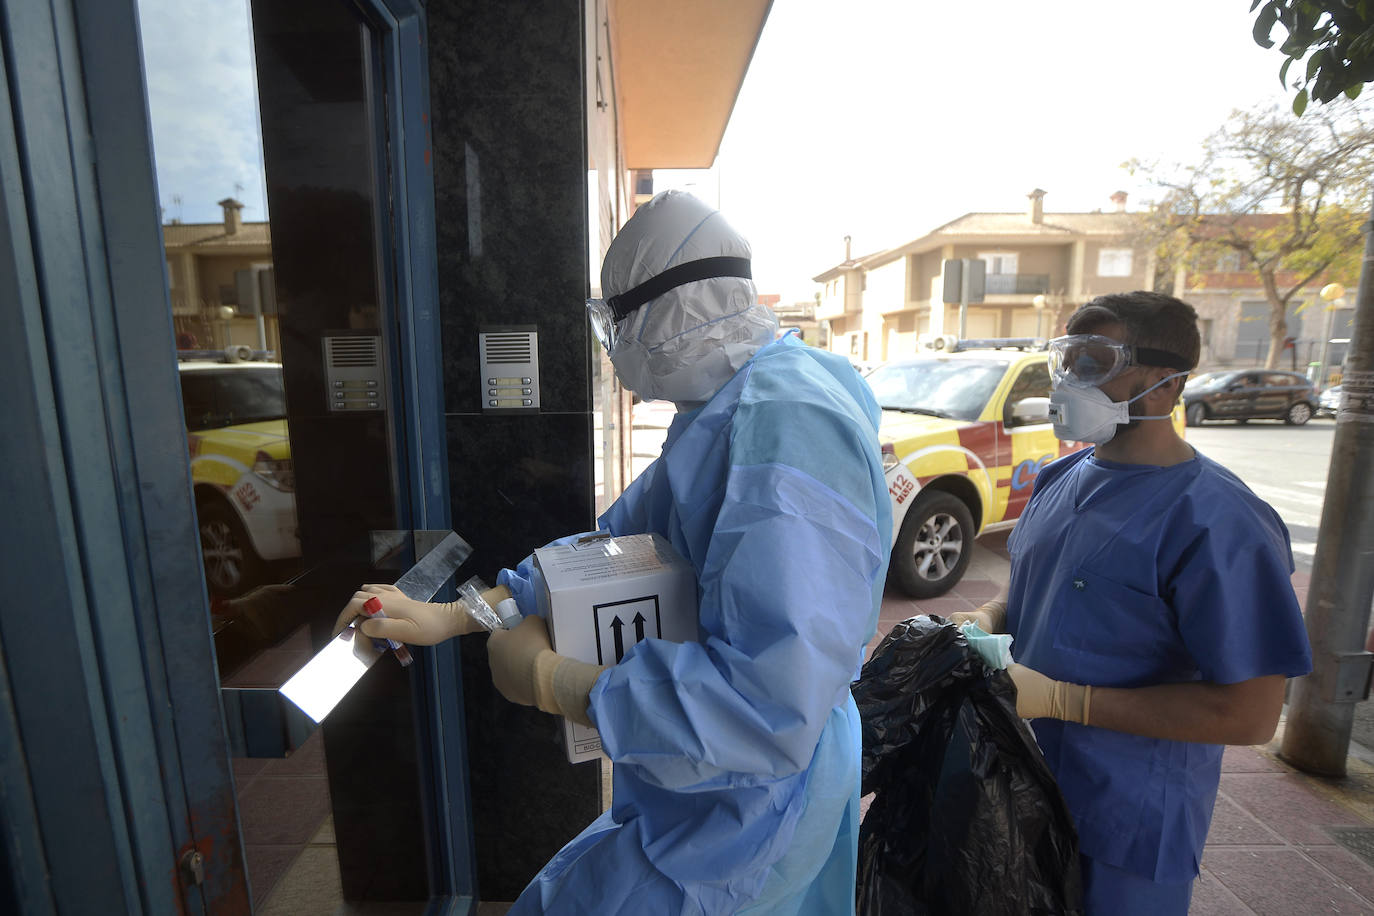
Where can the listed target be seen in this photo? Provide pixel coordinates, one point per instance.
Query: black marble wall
(506, 100)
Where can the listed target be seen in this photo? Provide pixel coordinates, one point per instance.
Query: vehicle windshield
(1203, 379)
(214, 400)
(954, 388)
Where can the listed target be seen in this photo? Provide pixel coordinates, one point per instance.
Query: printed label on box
(621, 624)
(584, 740)
(603, 595)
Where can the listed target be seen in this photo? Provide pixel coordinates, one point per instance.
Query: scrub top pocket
(1103, 618)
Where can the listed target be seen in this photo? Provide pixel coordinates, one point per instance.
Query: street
(1285, 466)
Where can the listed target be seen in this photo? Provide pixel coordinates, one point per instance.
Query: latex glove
(1041, 697)
(419, 623)
(526, 670)
(991, 617)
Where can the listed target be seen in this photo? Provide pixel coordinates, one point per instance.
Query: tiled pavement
(1281, 840)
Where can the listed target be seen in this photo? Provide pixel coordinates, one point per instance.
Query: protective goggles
(606, 315)
(1091, 359)
(603, 323)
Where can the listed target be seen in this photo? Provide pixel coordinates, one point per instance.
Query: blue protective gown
(1132, 575)
(736, 758)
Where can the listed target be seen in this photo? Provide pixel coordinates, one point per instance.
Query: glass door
(272, 140)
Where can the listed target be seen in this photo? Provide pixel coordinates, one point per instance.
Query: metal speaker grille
(353, 352)
(509, 348)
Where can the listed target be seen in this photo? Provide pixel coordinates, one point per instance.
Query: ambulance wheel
(232, 566)
(934, 546)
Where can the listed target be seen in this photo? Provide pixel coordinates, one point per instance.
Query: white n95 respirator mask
(1084, 413)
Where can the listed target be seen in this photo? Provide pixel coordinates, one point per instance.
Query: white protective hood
(685, 344)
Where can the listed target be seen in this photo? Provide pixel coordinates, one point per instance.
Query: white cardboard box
(601, 595)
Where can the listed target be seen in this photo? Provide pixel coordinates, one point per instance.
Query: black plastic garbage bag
(966, 817)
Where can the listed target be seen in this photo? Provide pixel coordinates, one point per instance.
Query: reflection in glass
(219, 396)
(251, 302)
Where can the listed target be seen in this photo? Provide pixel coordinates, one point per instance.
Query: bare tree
(1284, 194)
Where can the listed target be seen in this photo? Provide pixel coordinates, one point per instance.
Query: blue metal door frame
(403, 59)
(113, 760)
(118, 731)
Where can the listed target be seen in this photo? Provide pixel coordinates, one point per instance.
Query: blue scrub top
(736, 757)
(1134, 575)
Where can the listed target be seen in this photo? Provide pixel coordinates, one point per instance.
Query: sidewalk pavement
(1281, 842)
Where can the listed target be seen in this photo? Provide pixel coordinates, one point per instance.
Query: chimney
(1037, 206)
(1119, 198)
(847, 255)
(232, 220)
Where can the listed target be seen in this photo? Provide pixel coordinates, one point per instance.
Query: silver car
(1329, 402)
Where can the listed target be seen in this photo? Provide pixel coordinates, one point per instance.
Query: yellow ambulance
(245, 485)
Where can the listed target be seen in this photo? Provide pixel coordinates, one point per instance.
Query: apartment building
(220, 282)
(1040, 267)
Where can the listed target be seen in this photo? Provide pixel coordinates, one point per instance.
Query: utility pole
(1322, 706)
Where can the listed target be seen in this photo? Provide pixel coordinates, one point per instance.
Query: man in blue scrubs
(1151, 605)
(736, 757)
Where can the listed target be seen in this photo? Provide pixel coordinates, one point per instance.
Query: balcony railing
(1016, 284)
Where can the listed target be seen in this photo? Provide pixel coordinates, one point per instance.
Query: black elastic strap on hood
(690, 272)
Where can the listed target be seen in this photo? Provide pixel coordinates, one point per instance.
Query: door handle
(273, 721)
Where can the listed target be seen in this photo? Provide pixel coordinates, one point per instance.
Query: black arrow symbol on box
(639, 626)
(616, 625)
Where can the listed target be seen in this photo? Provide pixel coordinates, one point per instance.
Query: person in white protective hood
(736, 757)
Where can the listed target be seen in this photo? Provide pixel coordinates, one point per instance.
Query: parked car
(240, 468)
(964, 434)
(1328, 402)
(1249, 394)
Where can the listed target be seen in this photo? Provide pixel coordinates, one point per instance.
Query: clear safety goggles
(1091, 359)
(605, 314)
(602, 320)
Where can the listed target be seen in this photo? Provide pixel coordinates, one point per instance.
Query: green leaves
(1334, 37)
(1265, 22)
(1314, 63)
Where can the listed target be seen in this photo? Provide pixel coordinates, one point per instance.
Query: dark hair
(1150, 320)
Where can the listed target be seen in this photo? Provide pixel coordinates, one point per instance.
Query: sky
(884, 119)
(202, 98)
(877, 119)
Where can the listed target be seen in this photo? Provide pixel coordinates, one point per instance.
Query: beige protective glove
(1040, 697)
(527, 671)
(419, 623)
(991, 617)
